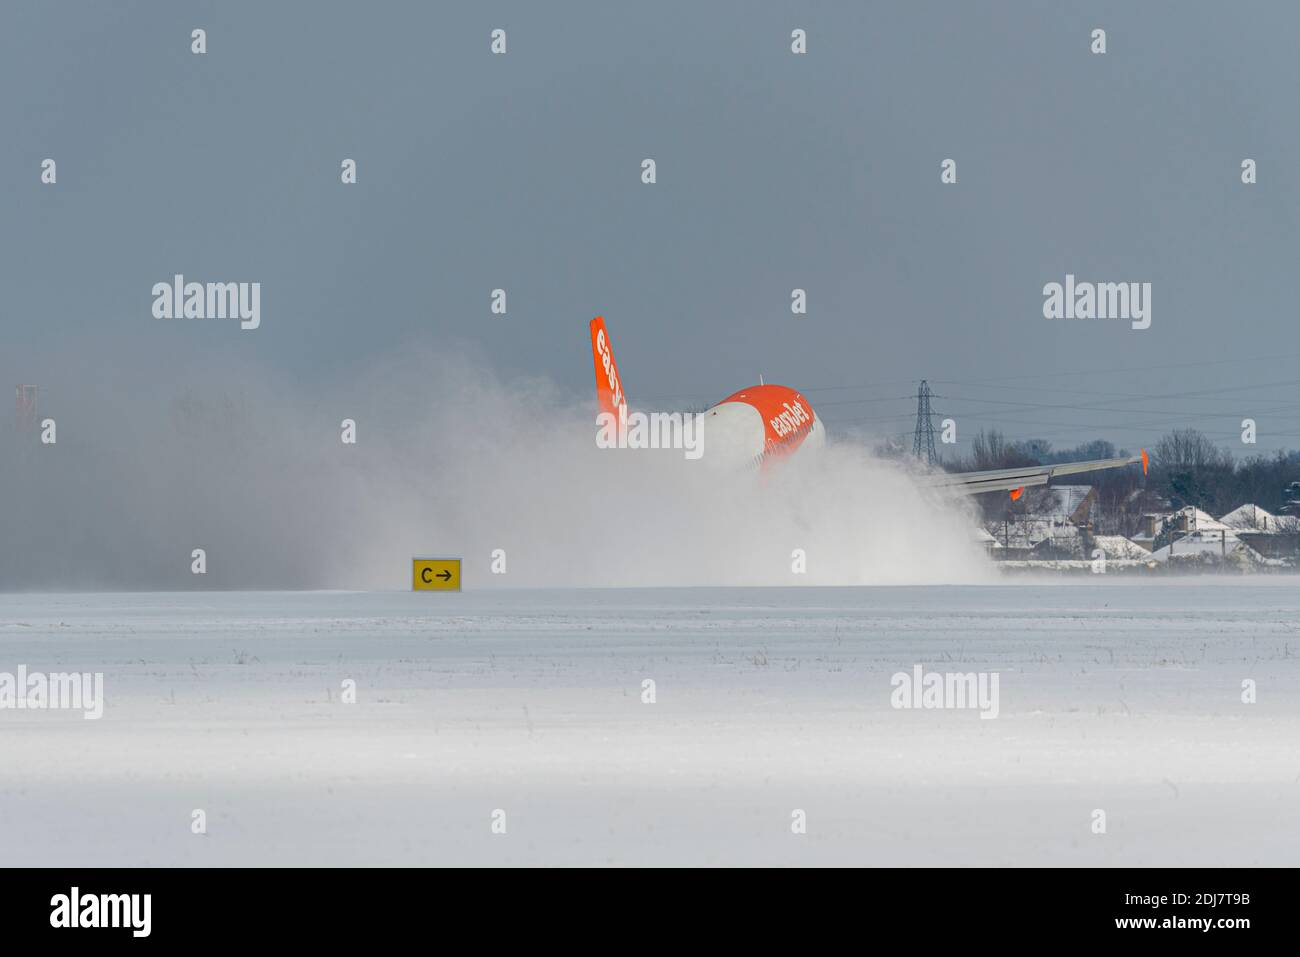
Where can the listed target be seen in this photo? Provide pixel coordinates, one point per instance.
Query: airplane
(765, 423)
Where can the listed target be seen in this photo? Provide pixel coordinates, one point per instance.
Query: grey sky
(775, 171)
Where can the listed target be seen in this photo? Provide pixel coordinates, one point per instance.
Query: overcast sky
(775, 171)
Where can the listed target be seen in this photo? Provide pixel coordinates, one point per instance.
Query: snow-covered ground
(1124, 696)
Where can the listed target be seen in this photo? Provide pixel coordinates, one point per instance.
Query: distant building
(1074, 504)
(982, 537)
(1183, 521)
(1118, 548)
(1252, 518)
(1061, 528)
(1273, 536)
(1192, 519)
(1149, 526)
(1208, 546)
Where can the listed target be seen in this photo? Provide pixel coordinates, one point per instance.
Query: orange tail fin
(609, 387)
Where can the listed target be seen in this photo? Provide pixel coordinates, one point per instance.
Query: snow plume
(449, 461)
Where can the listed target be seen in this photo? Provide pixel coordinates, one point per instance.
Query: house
(1117, 548)
(1252, 518)
(1062, 542)
(1274, 536)
(983, 538)
(1208, 547)
(1070, 504)
(1192, 519)
(1186, 520)
(1060, 527)
(1149, 526)
(1019, 538)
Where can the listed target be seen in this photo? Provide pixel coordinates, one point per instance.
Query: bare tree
(1192, 470)
(1189, 449)
(991, 450)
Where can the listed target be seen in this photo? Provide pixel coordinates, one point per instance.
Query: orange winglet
(1144, 460)
(1017, 492)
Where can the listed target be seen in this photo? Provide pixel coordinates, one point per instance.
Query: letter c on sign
(424, 576)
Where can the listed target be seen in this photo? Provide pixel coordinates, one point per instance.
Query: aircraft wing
(1012, 480)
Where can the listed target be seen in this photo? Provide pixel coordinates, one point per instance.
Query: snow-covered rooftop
(1025, 533)
(1068, 498)
(1199, 521)
(1252, 518)
(1119, 547)
(1210, 543)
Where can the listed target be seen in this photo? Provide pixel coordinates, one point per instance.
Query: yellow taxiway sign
(435, 574)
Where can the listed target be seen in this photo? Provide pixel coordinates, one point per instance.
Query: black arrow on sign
(445, 575)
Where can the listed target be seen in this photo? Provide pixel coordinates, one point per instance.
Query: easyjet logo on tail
(611, 373)
(609, 388)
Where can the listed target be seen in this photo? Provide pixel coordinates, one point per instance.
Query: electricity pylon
(923, 439)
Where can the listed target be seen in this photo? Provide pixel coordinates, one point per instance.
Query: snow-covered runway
(1123, 696)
